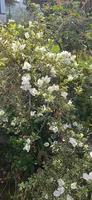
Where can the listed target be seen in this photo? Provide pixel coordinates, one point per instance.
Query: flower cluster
(27, 145)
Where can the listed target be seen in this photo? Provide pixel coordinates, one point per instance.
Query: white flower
(70, 77)
(60, 182)
(69, 197)
(40, 82)
(53, 128)
(30, 24)
(87, 177)
(2, 113)
(46, 79)
(14, 46)
(25, 85)
(70, 102)
(51, 55)
(44, 108)
(26, 66)
(73, 57)
(56, 193)
(91, 154)
(39, 35)
(81, 144)
(65, 126)
(26, 77)
(74, 186)
(46, 144)
(73, 142)
(65, 56)
(27, 147)
(53, 72)
(53, 88)
(46, 196)
(90, 176)
(43, 80)
(64, 94)
(75, 123)
(11, 21)
(33, 91)
(40, 49)
(32, 113)
(28, 141)
(17, 46)
(22, 46)
(26, 35)
(20, 26)
(59, 191)
(40, 114)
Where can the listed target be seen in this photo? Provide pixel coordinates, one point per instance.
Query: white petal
(69, 197)
(61, 190)
(90, 175)
(56, 193)
(73, 186)
(60, 182)
(91, 154)
(85, 176)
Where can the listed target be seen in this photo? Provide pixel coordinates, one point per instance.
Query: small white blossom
(46, 79)
(26, 35)
(59, 191)
(53, 128)
(27, 66)
(65, 56)
(74, 186)
(69, 197)
(87, 177)
(40, 82)
(81, 144)
(30, 24)
(91, 154)
(25, 85)
(65, 126)
(27, 147)
(44, 108)
(11, 21)
(46, 196)
(39, 35)
(43, 80)
(70, 102)
(73, 142)
(22, 46)
(28, 141)
(53, 88)
(40, 49)
(60, 182)
(20, 26)
(17, 46)
(46, 144)
(56, 193)
(53, 72)
(33, 91)
(75, 123)
(32, 113)
(64, 94)
(51, 55)
(70, 77)
(2, 112)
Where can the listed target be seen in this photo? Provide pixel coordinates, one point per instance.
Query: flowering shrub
(43, 92)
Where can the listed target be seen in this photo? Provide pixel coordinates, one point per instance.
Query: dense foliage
(45, 113)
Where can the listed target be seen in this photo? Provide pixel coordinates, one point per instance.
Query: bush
(42, 98)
